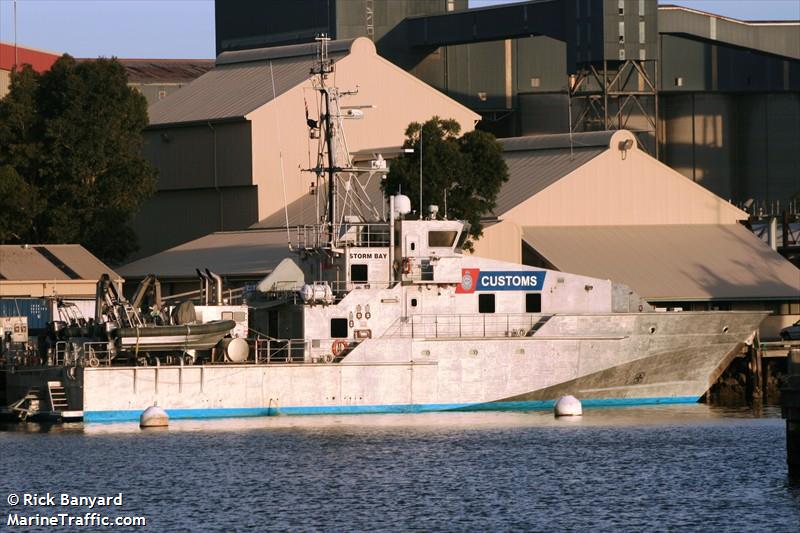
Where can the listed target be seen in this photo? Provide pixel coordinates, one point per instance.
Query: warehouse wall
(739, 146)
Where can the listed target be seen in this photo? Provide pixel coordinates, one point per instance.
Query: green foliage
(469, 168)
(71, 156)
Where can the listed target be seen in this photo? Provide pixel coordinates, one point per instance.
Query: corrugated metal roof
(536, 162)
(50, 262)
(230, 253)
(240, 83)
(589, 139)
(340, 47)
(674, 262)
(165, 70)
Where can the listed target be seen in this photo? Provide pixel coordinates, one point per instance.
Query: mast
(331, 170)
(337, 164)
(323, 68)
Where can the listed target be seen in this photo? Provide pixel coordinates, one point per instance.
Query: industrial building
(230, 147)
(716, 99)
(154, 78)
(158, 78)
(33, 277)
(12, 54)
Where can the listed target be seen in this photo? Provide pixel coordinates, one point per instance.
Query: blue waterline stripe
(246, 412)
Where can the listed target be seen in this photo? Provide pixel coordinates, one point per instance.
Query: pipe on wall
(216, 177)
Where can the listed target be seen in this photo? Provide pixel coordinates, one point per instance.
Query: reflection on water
(444, 421)
(655, 467)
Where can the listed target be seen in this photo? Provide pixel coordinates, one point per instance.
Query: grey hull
(615, 358)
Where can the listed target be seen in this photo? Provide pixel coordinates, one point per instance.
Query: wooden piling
(790, 409)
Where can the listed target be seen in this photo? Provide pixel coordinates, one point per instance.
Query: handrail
(467, 326)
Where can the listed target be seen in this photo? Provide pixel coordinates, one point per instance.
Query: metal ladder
(58, 396)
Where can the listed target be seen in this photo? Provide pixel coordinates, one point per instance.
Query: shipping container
(36, 309)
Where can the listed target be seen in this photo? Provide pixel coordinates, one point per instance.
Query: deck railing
(455, 326)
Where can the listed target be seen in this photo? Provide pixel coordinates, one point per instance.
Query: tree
(463, 174)
(71, 151)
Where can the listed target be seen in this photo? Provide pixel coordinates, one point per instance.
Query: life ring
(328, 358)
(406, 265)
(338, 347)
(94, 362)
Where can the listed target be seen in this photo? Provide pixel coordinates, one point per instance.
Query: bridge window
(358, 273)
(338, 328)
(486, 303)
(533, 302)
(442, 238)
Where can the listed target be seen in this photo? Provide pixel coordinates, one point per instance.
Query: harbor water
(688, 467)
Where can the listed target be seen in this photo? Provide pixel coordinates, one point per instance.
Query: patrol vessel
(389, 314)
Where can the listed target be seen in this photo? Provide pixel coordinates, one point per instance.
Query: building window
(413, 302)
(641, 32)
(358, 273)
(621, 33)
(486, 303)
(641, 8)
(536, 82)
(621, 7)
(533, 302)
(338, 328)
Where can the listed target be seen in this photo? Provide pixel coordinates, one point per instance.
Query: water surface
(689, 467)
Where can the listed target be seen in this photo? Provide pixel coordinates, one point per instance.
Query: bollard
(790, 409)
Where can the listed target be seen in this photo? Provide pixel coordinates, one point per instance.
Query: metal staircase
(58, 396)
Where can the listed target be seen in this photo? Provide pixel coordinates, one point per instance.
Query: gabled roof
(536, 162)
(50, 262)
(671, 262)
(241, 82)
(247, 253)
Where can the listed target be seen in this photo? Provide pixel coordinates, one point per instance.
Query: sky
(185, 28)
